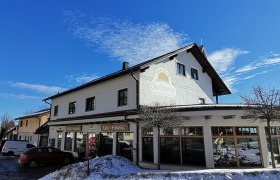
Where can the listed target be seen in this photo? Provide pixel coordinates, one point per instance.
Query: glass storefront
(147, 145)
(106, 143)
(193, 151)
(125, 145)
(170, 150)
(183, 145)
(59, 140)
(236, 146)
(68, 141)
(275, 135)
(78, 141)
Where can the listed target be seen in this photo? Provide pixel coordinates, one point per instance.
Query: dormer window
(181, 69)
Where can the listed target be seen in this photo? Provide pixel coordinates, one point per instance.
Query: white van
(15, 147)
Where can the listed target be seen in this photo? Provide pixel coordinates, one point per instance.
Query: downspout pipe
(137, 121)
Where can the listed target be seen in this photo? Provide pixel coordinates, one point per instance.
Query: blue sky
(51, 46)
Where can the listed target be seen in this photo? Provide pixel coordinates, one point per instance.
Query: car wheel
(10, 153)
(32, 163)
(66, 160)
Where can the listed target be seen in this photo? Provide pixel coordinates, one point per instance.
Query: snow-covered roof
(34, 114)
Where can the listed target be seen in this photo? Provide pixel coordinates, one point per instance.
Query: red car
(43, 155)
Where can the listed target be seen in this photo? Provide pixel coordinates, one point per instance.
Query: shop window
(72, 108)
(222, 131)
(147, 131)
(193, 151)
(170, 150)
(224, 152)
(225, 142)
(147, 149)
(169, 132)
(52, 142)
(248, 152)
(90, 104)
(181, 69)
(78, 141)
(125, 145)
(191, 131)
(68, 141)
(59, 140)
(122, 97)
(106, 144)
(55, 111)
(275, 135)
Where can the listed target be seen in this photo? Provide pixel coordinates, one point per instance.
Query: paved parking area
(11, 170)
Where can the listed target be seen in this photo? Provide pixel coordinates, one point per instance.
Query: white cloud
(262, 63)
(19, 96)
(83, 78)
(38, 87)
(256, 74)
(222, 60)
(127, 41)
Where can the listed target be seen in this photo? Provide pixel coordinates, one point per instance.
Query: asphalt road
(11, 170)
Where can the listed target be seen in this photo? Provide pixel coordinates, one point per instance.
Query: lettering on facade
(115, 127)
(162, 84)
(73, 128)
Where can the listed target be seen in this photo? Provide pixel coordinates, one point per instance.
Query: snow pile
(115, 167)
(100, 168)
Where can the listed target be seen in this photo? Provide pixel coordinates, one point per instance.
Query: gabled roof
(219, 88)
(44, 111)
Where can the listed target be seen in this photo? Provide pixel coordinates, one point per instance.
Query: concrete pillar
(115, 143)
(155, 143)
(140, 145)
(208, 146)
(263, 146)
(133, 129)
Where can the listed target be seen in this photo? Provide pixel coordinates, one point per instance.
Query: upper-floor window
(21, 123)
(55, 110)
(194, 73)
(26, 123)
(122, 97)
(72, 107)
(90, 103)
(181, 69)
(201, 101)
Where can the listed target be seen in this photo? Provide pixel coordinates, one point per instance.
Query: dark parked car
(43, 155)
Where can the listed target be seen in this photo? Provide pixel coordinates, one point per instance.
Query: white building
(104, 111)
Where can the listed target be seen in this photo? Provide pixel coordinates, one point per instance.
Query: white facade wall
(106, 98)
(187, 90)
(31, 137)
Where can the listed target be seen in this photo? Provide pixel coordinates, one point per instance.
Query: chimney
(125, 65)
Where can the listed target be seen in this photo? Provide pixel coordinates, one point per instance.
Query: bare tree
(159, 116)
(264, 105)
(7, 122)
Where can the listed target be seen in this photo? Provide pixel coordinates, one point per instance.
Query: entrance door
(106, 143)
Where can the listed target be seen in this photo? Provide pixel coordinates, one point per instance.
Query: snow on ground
(116, 167)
